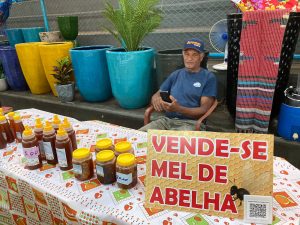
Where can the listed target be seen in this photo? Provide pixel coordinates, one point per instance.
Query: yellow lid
(66, 123)
(38, 123)
(48, 127)
(61, 131)
(1, 111)
(81, 153)
(126, 159)
(2, 118)
(56, 120)
(105, 155)
(11, 114)
(27, 132)
(104, 143)
(123, 146)
(17, 117)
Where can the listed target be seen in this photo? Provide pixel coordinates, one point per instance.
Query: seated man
(192, 92)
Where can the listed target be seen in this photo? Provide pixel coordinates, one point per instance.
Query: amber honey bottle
(49, 138)
(19, 127)
(71, 133)
(3, 142)
(38, 131)
(56, 122)
(6, 131)
(31, 150)
(12, 122)
(64, 149)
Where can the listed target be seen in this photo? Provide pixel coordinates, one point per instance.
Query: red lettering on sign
(205, 146)
(246, 149)
(184, 198)
(222, 148)
(172, 144)
(221, 174)
(228, 204)
(205, 172)
(215, 200)
(260, 150)
(156, 196)
(158, 146)
(159, 171)
(171, 196)
(186, 145)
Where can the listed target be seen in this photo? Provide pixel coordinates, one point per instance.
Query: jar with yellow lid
(123, 147)
(83, 167)
(126, 171)
(106, 166)
(104, 144)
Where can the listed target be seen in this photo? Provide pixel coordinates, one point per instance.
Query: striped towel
(260, 45)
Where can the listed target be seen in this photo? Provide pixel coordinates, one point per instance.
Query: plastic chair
(150, 109)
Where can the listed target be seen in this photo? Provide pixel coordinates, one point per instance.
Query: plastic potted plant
(3, 84)
(130, 23)
(64, 85)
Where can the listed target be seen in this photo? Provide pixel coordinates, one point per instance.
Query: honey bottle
(6, 131)
(1, 112)
(49, 138)
(38, 131)
(3, 142)
(63, 148)
(71, 133)
(31, 150)
(12, 122)
(19, 127)
(56, 122)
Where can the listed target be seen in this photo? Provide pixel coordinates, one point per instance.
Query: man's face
(192, 59)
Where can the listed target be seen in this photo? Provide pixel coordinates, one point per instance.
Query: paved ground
(109, 111)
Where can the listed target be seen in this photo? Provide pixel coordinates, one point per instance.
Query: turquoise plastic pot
(91, 73)
(31, 34)
(14, 36)
(131, 76)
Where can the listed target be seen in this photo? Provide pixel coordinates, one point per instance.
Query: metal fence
(182, 19)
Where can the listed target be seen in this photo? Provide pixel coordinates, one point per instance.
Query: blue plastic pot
(14, 36)
(31, 34)
(289, 122)
(12, 68)
(131, 76)
(91, 73)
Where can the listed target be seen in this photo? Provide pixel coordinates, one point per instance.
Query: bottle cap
(105, 155)
(123, 146)
(38, 123)
(81, 153)
(48, 127)
(56, 120)
(61, 131)
(1, 111)
(27, 132)
(2, 118)
(11, 114)
(126, 159)
(66, 123)
(104, 143)
(17, 117)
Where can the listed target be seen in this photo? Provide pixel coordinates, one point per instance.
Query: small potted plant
(64, 85)
(3, 84)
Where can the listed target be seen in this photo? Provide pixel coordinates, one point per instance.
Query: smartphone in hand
(165, 96)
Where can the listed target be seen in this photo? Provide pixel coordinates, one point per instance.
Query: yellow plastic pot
(32, 67)
(50, 54)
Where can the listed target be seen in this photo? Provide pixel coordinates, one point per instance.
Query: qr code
(258, 211)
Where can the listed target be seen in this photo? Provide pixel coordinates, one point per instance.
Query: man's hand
(157, 102)
(171, 107)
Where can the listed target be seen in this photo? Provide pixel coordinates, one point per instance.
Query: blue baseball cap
(194, 43)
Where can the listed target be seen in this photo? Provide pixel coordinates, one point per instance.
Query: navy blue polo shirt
(188, 88)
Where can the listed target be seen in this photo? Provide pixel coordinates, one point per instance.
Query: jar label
(61, 157)
(48, 150)
(77, 169)
(100, 171)
(124, 178)
(32, 156)
(19, 135)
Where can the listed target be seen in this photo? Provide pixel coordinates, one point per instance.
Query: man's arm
(157, 102)
(196, 113)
